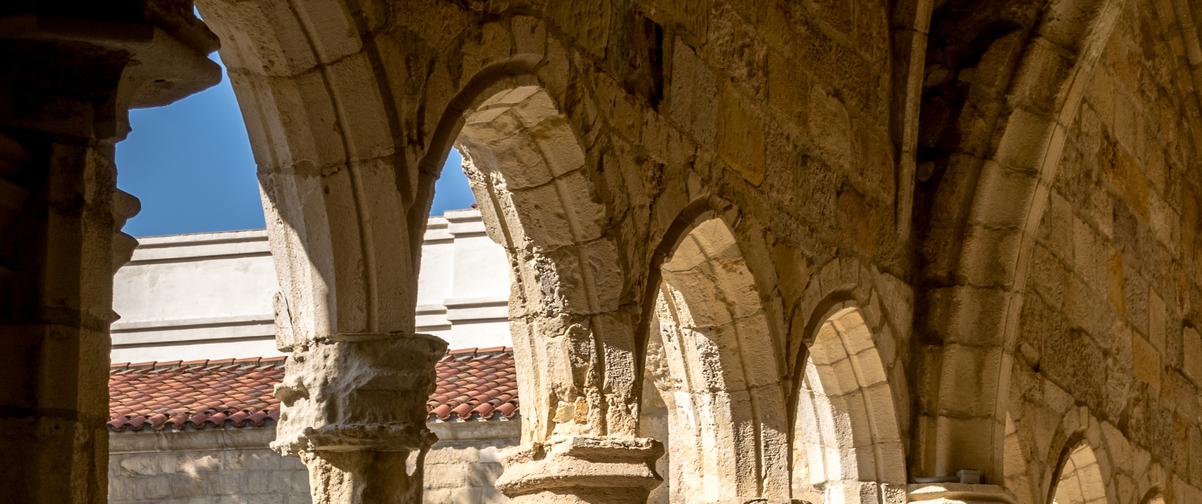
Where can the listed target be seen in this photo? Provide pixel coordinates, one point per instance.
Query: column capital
(570, 469)
(362, 391)
(960, 493)
(353, 407)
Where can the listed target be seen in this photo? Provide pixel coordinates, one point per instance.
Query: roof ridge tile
(490, 350)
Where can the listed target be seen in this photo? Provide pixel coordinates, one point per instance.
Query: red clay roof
(473, 384)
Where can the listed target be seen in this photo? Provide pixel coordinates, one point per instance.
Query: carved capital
(362, 391)
(580, 469)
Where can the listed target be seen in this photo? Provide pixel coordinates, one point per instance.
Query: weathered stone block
(1191, 343)
(692, 92)
(1146, 362)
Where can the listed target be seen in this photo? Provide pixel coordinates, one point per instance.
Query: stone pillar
(582, 469)
(355, 411)
(960, 493)
(71, 71)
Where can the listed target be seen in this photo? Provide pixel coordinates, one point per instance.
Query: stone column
(71, 71)
(582, 469)
(55, 283)
(355, 412)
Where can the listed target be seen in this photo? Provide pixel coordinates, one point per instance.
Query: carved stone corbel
(581, 469)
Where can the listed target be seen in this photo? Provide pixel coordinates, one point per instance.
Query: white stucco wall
(209, 296)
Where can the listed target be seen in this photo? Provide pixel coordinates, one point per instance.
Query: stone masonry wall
(220, 466)
(215, 465)
(1109, 354)
(779, 118)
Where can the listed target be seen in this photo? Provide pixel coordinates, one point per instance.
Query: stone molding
(392, 436)
(623, 469)
(960, 493)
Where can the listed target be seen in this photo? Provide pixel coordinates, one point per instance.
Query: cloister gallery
(759, 250)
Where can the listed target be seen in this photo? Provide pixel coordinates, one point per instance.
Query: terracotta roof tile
(473, 384)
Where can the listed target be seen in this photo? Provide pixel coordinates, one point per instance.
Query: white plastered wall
(209, 296)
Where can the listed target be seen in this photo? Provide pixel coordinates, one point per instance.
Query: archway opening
(526, 168)
(191, 166)
(713, 389)
(846, 442)
(463, 280)
(1153, 497)
(1079, 478)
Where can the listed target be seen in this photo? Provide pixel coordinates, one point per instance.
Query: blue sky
(190, 163)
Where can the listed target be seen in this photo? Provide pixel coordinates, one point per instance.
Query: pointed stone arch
(716, 364)
(987, 211)
(1079, 478)
(849, 402)
(349, 127)
(1082, 469)
(1153, 496)
(530, 168)
(1073, 464)
(323, 126)
(526, 167)
(847, 444)
(326, 131)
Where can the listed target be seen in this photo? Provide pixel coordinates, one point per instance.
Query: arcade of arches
(814, 251)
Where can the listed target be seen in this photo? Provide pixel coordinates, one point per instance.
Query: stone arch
(849, 398)
(323, 127)
(1040, 437)
(532, 145)
(1079, 462)
(349, 126)
(527, 168)
(1010, 195)
(1154, 483)
(716, 365)
(1153, 496)
(1078, 479)
(326, 132)
(883, 301)
(847, 443)
(987, 246)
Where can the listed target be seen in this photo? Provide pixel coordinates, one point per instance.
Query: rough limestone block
(1191, 342)
(1146, 362)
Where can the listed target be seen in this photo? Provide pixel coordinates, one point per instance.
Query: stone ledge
(582, 464)
(960, 493)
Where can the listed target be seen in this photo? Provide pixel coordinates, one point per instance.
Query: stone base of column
(960, 493)
(580, 469)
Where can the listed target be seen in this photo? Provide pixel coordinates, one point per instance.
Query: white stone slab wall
(209, 296)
